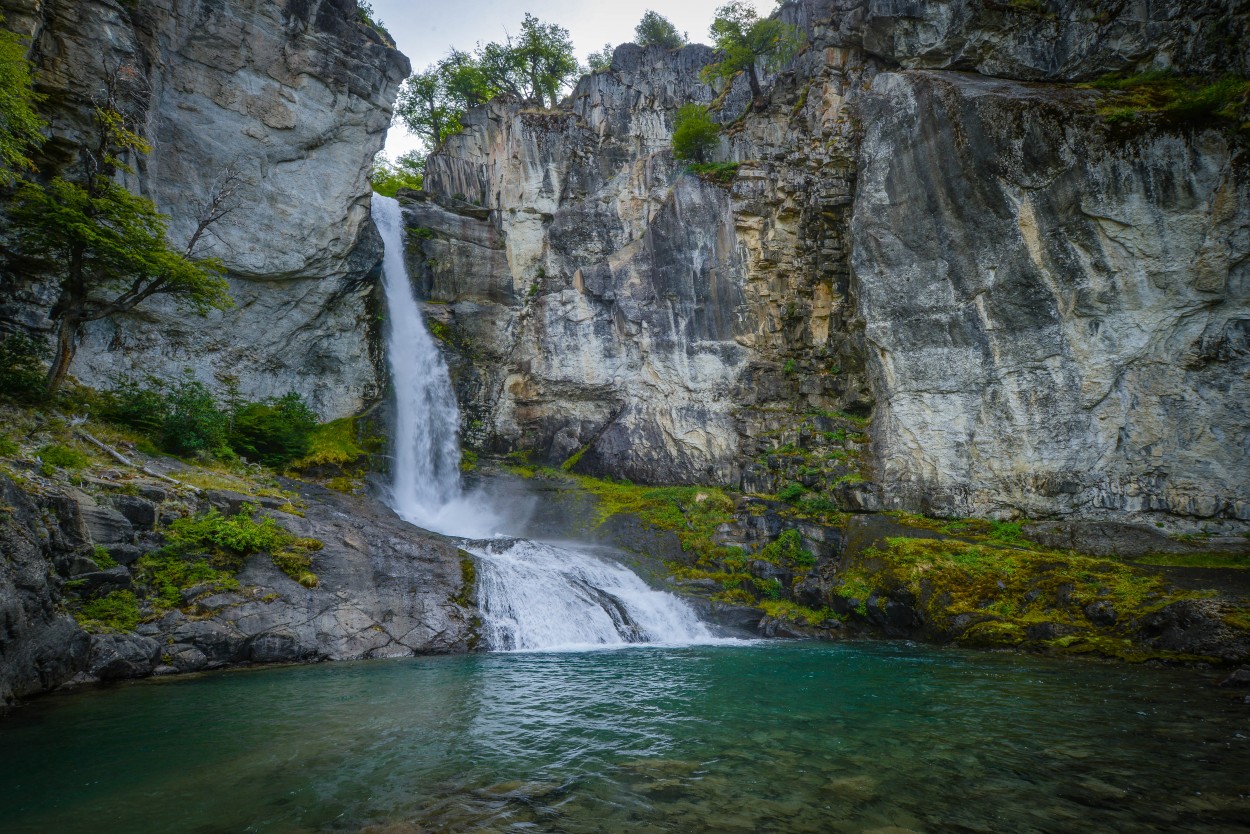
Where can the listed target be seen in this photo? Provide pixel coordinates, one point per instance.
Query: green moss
(336, 443)
(1238, 561)
(468, 580)
(118, 611)
(792, 611)
(718, 173)
(574, 458)
(468, 460)
(953, 581)
(787, 551)
(295, 560)
(1186, 99)
(693, 513)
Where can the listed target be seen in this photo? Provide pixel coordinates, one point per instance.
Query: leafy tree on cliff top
(656, 30)
(20, 126)
(745, 41)
(601, 61)
(534, 67)
(108, 248)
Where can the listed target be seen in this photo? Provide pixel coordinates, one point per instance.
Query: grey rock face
(121, 656)
(1075, 304)
(40, 646)
(294, 95)
(1059, 39)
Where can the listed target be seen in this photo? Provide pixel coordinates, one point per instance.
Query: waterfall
(532, 595)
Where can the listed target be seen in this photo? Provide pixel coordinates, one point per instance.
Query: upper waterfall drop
(532, 595)
(425, 473)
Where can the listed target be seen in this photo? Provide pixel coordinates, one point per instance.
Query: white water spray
(531, 595)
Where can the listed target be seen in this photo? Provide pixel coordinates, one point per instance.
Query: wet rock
(125, 554)
(1101, 613)
(278, 647)
(230, 503)
(120, 656)
(103, 582)
(186, 658)
(219, 643)
(140, 512)
(1196, 627)
(1239, 678)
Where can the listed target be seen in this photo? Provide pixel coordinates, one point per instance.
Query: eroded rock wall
(296, 97)
(931, 225)
(1057, 309)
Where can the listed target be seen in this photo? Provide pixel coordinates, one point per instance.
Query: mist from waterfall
(532, 595)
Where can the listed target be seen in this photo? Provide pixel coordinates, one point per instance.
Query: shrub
(274, 431)
(118, 611)
(63, 457)
(695, 134)
(182, 415)
(656, 30)
(168, 572)
(788, 551)
(22, 370)
(229, 539)
(791, 492)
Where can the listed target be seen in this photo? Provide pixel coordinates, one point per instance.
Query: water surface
(762, 738)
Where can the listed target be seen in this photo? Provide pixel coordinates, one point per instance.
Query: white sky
(426, 29)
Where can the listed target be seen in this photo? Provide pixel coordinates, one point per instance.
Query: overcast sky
(426, 29)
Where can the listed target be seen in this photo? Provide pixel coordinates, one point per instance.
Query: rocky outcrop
(295, 97)
(382, 589)
(1072, 298)
(41, 647)
(1043, 313)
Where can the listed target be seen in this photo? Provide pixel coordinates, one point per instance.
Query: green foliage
(228, 539)
(601, 61)
(695, 134)
(62, 457)
(21, 129)
(787, 551)
(274, 431)
(185, 418)
(791, 367)
(105, 248)
(101, 556)
(22, 368)
(333, 444)
(718, 173)
(168, 572)
(533, 67)
(387, 177)
(746, 40)
(656, 30)
(366, 15)
(118, 611)
(791, 492)
(1186, 99)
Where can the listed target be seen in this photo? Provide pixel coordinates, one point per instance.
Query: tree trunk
(66, 345)
(757, 95)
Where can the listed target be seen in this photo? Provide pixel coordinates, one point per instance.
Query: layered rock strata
(1043, 313)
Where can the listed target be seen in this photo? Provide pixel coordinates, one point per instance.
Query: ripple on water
(777, 738)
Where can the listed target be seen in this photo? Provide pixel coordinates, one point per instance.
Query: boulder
(121, 656)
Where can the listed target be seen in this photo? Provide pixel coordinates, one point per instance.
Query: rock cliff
(931, 225)
(295, 96)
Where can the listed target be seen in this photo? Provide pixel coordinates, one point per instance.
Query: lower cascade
(532, 595)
